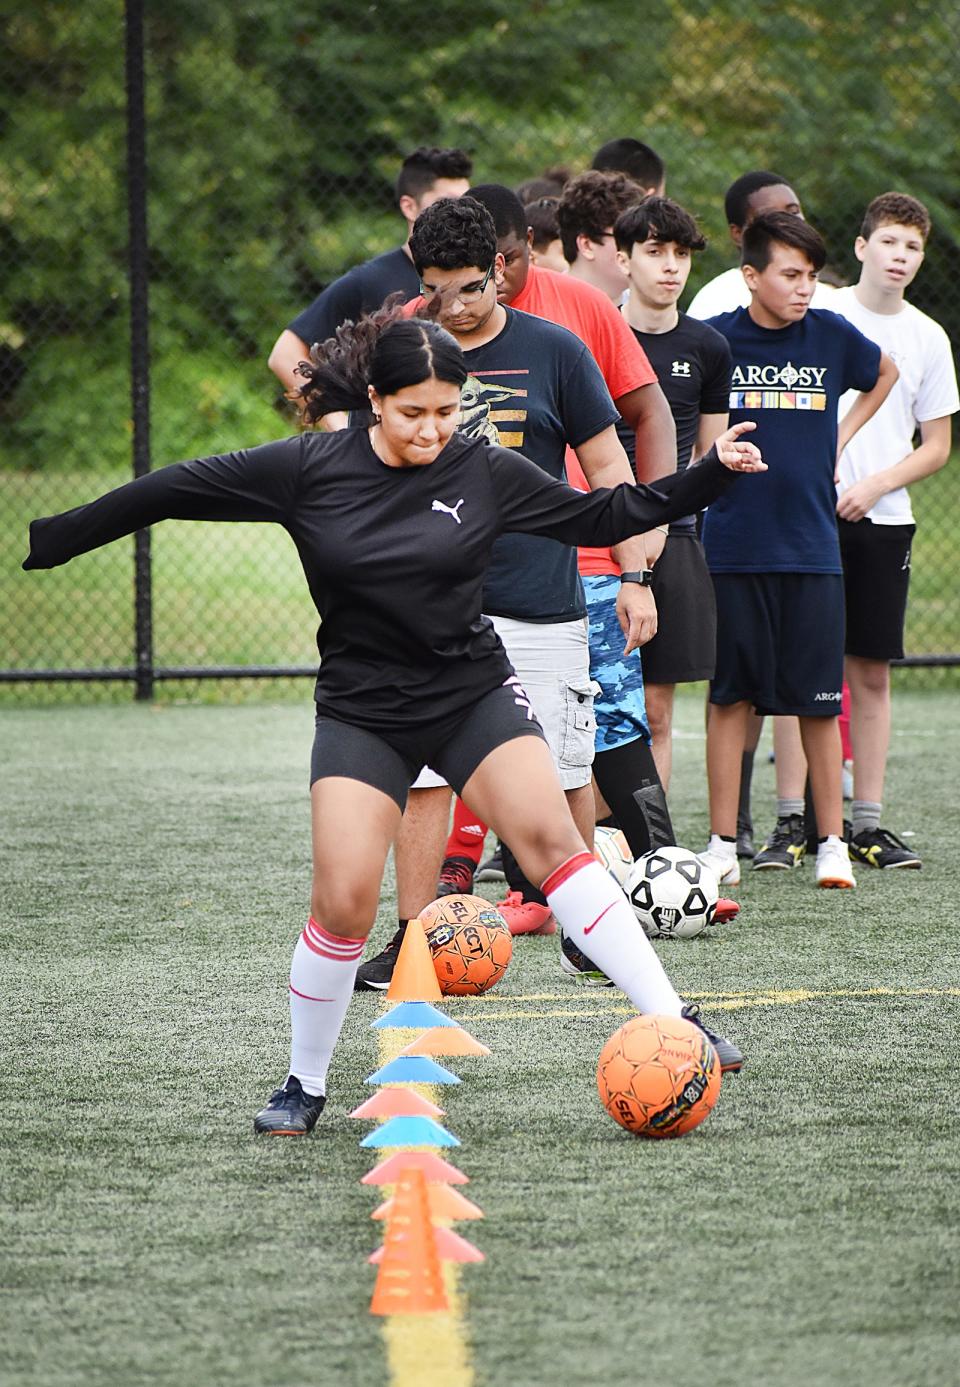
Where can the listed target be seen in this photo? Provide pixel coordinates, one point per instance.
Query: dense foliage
(275, 133)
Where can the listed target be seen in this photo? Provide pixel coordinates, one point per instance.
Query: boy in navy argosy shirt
(774, 555)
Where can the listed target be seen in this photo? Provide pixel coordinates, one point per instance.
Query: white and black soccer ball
(673, 894)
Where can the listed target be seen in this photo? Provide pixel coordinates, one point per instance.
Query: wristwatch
(643, 576)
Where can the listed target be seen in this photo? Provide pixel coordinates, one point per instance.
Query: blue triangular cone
(412, 1016)
(412, 1069)
(410, 1131)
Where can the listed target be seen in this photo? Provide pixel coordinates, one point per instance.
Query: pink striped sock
(321, 984)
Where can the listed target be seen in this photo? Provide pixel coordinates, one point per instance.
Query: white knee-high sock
(321, 984)
(597, 916)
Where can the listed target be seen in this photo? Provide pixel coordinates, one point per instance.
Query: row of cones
(417, 1238)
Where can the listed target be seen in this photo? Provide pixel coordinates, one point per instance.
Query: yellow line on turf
(719, 1001)
(425, 1350)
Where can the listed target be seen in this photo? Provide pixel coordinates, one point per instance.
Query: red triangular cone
(450, 1248)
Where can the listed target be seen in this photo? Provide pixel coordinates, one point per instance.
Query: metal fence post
(138, 255)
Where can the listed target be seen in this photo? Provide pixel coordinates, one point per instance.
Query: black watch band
(643, 576)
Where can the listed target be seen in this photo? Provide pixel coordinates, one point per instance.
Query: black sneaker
(878, 847)
(730, 1057)
(785, 847)
(745, 847)
(575, 964)
(375, 974)
(492, 869)
(290, 1112)
(456, 877)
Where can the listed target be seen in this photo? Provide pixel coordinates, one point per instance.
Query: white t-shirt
(927, 389)
(729, 291)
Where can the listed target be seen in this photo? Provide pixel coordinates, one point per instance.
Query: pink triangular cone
(397, 1102)
(450, 1248)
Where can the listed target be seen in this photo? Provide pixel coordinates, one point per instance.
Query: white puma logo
(449, 510)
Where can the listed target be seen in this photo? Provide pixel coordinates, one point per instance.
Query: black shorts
(876, 576)
(684, 648)
(390, 760)
(780, 642)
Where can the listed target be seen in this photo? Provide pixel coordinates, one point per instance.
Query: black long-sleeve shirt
(395, 557)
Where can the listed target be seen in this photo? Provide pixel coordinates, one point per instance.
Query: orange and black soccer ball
(470, 943)
(658, 1076)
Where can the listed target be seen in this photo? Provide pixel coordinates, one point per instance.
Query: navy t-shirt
(788, 380)
(361, 290)
(692, 362)
(535, 387)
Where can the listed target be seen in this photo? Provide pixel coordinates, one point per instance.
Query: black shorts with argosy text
(876, 578)
(392, 759)
(780, 642)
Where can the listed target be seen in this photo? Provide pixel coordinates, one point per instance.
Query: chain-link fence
(272, 139)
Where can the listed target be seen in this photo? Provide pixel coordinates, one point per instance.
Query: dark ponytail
(382, 349)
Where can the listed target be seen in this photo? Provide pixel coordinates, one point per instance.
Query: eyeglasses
(467, 293)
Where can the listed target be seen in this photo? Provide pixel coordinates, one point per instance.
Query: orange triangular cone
(450, 1248)
(439, 1040)
(414, 976)
(410, 1279)
(443, 1201)
(434, 1167)
(397, 1102)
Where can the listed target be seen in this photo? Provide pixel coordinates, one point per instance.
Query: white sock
(321, 984)
(722, 846)
(597, 916)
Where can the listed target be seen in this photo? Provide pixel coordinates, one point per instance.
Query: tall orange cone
(414, 976)
(410, 1279)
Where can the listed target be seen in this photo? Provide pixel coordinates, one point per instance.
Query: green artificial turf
(154, 877)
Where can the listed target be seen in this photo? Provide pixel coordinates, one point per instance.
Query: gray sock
(865, 815)
(787, 808)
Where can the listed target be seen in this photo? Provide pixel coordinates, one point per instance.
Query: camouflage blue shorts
(620, 708)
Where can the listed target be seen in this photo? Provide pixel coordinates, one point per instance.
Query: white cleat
(833, 864)
(722, 860)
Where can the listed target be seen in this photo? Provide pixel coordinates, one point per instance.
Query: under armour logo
(681, 368)
(521, 698)
(449, 510)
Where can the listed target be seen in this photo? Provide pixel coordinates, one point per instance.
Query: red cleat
(726, 911)
(526, 917)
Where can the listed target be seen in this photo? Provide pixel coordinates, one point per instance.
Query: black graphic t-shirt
(535, 388)
(395, 558)
(693, 366)
(361, 290)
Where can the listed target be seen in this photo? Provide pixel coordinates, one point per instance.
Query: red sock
(844, 721)
(467, 835)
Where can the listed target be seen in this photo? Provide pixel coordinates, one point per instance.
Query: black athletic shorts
(780, 642)
(876, 576)
(392, 759)
(684, 648)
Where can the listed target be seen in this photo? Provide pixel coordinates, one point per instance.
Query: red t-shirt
(589, 315)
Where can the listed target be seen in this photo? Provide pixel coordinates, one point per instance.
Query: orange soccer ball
(658, 1076)
(470, 943)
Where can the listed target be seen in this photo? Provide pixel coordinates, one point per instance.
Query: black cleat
(375, 974)
(730, 1057)
(786, 846)
(492, 869)
(290, 1112)
(575, 964)
(745, 845)
(456, 877)
(878, 847)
